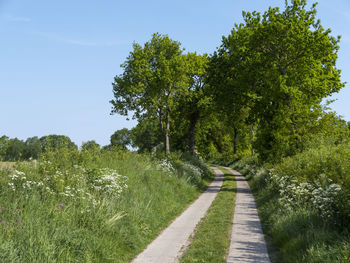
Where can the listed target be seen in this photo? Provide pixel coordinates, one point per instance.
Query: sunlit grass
(89, 224)
(299, 228)
(211, 239)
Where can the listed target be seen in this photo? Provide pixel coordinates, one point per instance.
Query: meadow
(92, 206)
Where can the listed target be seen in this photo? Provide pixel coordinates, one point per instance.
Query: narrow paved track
(247, 239)
(166, 248)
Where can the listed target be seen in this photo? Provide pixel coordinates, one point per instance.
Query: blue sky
(58, 58)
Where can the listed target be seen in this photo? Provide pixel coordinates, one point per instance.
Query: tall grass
(304, 204)
(69, 208)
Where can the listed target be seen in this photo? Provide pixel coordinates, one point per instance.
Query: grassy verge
(212, 235)
(297, 231)
(90, 207)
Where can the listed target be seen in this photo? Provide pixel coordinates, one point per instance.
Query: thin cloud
(65, 40)
(73, 41)
(13, 18)
(76, 42)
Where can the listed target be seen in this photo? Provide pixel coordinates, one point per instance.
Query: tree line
(260, 92)
(14, 149)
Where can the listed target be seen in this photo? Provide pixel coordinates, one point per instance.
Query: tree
(55, 142)
(153, 74)
(193, 103)
(229, 86)
(121, 138)
(90, 145)
(14, 150)
(146, 135)
(331, 125)
(280, 65)
(3, 143)
(33, 148)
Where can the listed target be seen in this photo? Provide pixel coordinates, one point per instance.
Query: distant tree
(33, 148)
(146, 135)
(153, 75)
(54, 142)
(90, 145)
(3, 143)
(14, 150)
(121, 138)
(107, 147)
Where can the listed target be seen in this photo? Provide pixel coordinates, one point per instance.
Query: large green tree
(193, 104)
(279, 66)
(229, 85)
(152, 75)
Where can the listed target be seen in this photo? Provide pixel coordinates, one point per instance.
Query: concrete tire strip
(247, 239)
(167, 247)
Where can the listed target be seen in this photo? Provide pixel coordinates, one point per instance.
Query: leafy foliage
(90, 145)
(14, 150)
(121, 138)
(304, 202)
(153, 74)
(278, 66)
(146, 135)
(54, 142)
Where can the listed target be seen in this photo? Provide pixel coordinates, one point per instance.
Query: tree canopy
(152, 75)
(121, 138)
(277, 66)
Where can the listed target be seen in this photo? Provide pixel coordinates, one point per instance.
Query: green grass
(211, 240)
(299, 234)
(42, 227)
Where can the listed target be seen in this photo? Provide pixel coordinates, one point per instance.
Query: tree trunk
(252, 140)
(235, 135)
(192, 136)
(166, 133)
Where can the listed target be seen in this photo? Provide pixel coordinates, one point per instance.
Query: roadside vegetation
(304, 202)
(259, 101)
(92, 206)
(211, 239)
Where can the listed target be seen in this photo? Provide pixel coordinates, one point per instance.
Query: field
(6, 165)
(90, 206)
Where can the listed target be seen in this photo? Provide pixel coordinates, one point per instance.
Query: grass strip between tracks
(211, 239)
